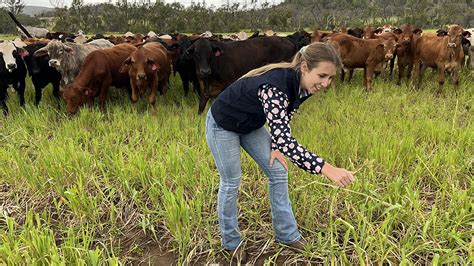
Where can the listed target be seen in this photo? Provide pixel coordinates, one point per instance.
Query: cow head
(389, 46)
(140, 66)
(35, 64)
(369, 32)
(75, 97)
(203, 53)
(57, 51)
(454, 36)
(10, 51)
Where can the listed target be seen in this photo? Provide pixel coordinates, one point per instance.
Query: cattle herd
(81, 69)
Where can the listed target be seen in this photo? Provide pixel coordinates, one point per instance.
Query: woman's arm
(274, 104)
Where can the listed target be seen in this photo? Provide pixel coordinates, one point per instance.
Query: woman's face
(317, 78)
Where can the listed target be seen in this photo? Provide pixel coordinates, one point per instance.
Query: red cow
(99, 71)
(443, 53)
(149, 67)
(369, 54)
(408, 35)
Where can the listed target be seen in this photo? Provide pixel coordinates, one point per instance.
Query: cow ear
(125, 65)
(23, 53)
(417, 31)
(397, 31)
(68, 49)
(41, 52)
(217, 51)
(380, 45)
(152, 64)
(87, 91)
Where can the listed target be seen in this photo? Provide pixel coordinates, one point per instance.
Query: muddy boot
(298, 246)
(238, 255)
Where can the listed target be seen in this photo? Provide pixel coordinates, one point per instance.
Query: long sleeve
(275, 105)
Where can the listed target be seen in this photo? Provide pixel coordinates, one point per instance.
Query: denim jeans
(225, 148)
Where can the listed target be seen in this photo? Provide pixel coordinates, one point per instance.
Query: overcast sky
(216, 3)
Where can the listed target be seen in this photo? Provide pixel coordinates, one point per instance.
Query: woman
(272, 94)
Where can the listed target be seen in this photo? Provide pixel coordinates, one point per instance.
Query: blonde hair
(312, 54)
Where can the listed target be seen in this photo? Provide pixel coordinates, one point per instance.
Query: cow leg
(441, 77)
(20, 89)
(392, 66)
(163, 86)
(134, 97)
(103, 95)
(185, 81)
(365, 78)
(196, 87)
(343, 74)
(409, 71)
(418, 73)
(369, 77)
(202, 103)
(456, 75)
(38, 94)
(401, 70)
(3, 99)
(351, 73)
(155, 85)
(56, 94)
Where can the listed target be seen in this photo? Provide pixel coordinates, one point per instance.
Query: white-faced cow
(68, 57)
(12, 72)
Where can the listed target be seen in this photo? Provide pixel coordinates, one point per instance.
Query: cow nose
(35, 71)
(205, 72)
(11, 66)
(141, 76)
(451, 45)
(53, 62)
(388, 56)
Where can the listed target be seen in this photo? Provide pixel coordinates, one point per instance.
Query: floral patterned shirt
(275, 104)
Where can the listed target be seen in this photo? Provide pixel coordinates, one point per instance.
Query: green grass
(114, 187)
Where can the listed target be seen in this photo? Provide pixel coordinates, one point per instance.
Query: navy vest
(238, 108)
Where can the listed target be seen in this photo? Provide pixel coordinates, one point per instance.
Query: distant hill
(35, 10)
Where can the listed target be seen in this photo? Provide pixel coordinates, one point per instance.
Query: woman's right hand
(340, 176)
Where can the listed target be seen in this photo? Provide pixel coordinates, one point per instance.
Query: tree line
(290, 15)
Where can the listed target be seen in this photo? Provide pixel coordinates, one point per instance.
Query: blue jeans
(225, 148)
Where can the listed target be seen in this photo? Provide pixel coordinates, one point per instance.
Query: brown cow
(320, 36)
(442, 53)
(369, 54)
(379, 33)
(149, 67)
(99, 71)
(408, 35)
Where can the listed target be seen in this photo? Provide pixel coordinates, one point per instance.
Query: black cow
(12, 72)
(300, 38)
(356, 32)
(185, 66)
(218, 64)
(41, 73)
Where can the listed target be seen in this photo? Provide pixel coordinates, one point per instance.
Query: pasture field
(128, 186)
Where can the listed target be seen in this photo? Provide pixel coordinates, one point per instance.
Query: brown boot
(298, 245)
(238, 255)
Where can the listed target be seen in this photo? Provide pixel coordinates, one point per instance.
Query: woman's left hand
(276, 154)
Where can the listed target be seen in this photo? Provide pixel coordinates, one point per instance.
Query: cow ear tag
(217, 53)
(24, 53)
(154, 67)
